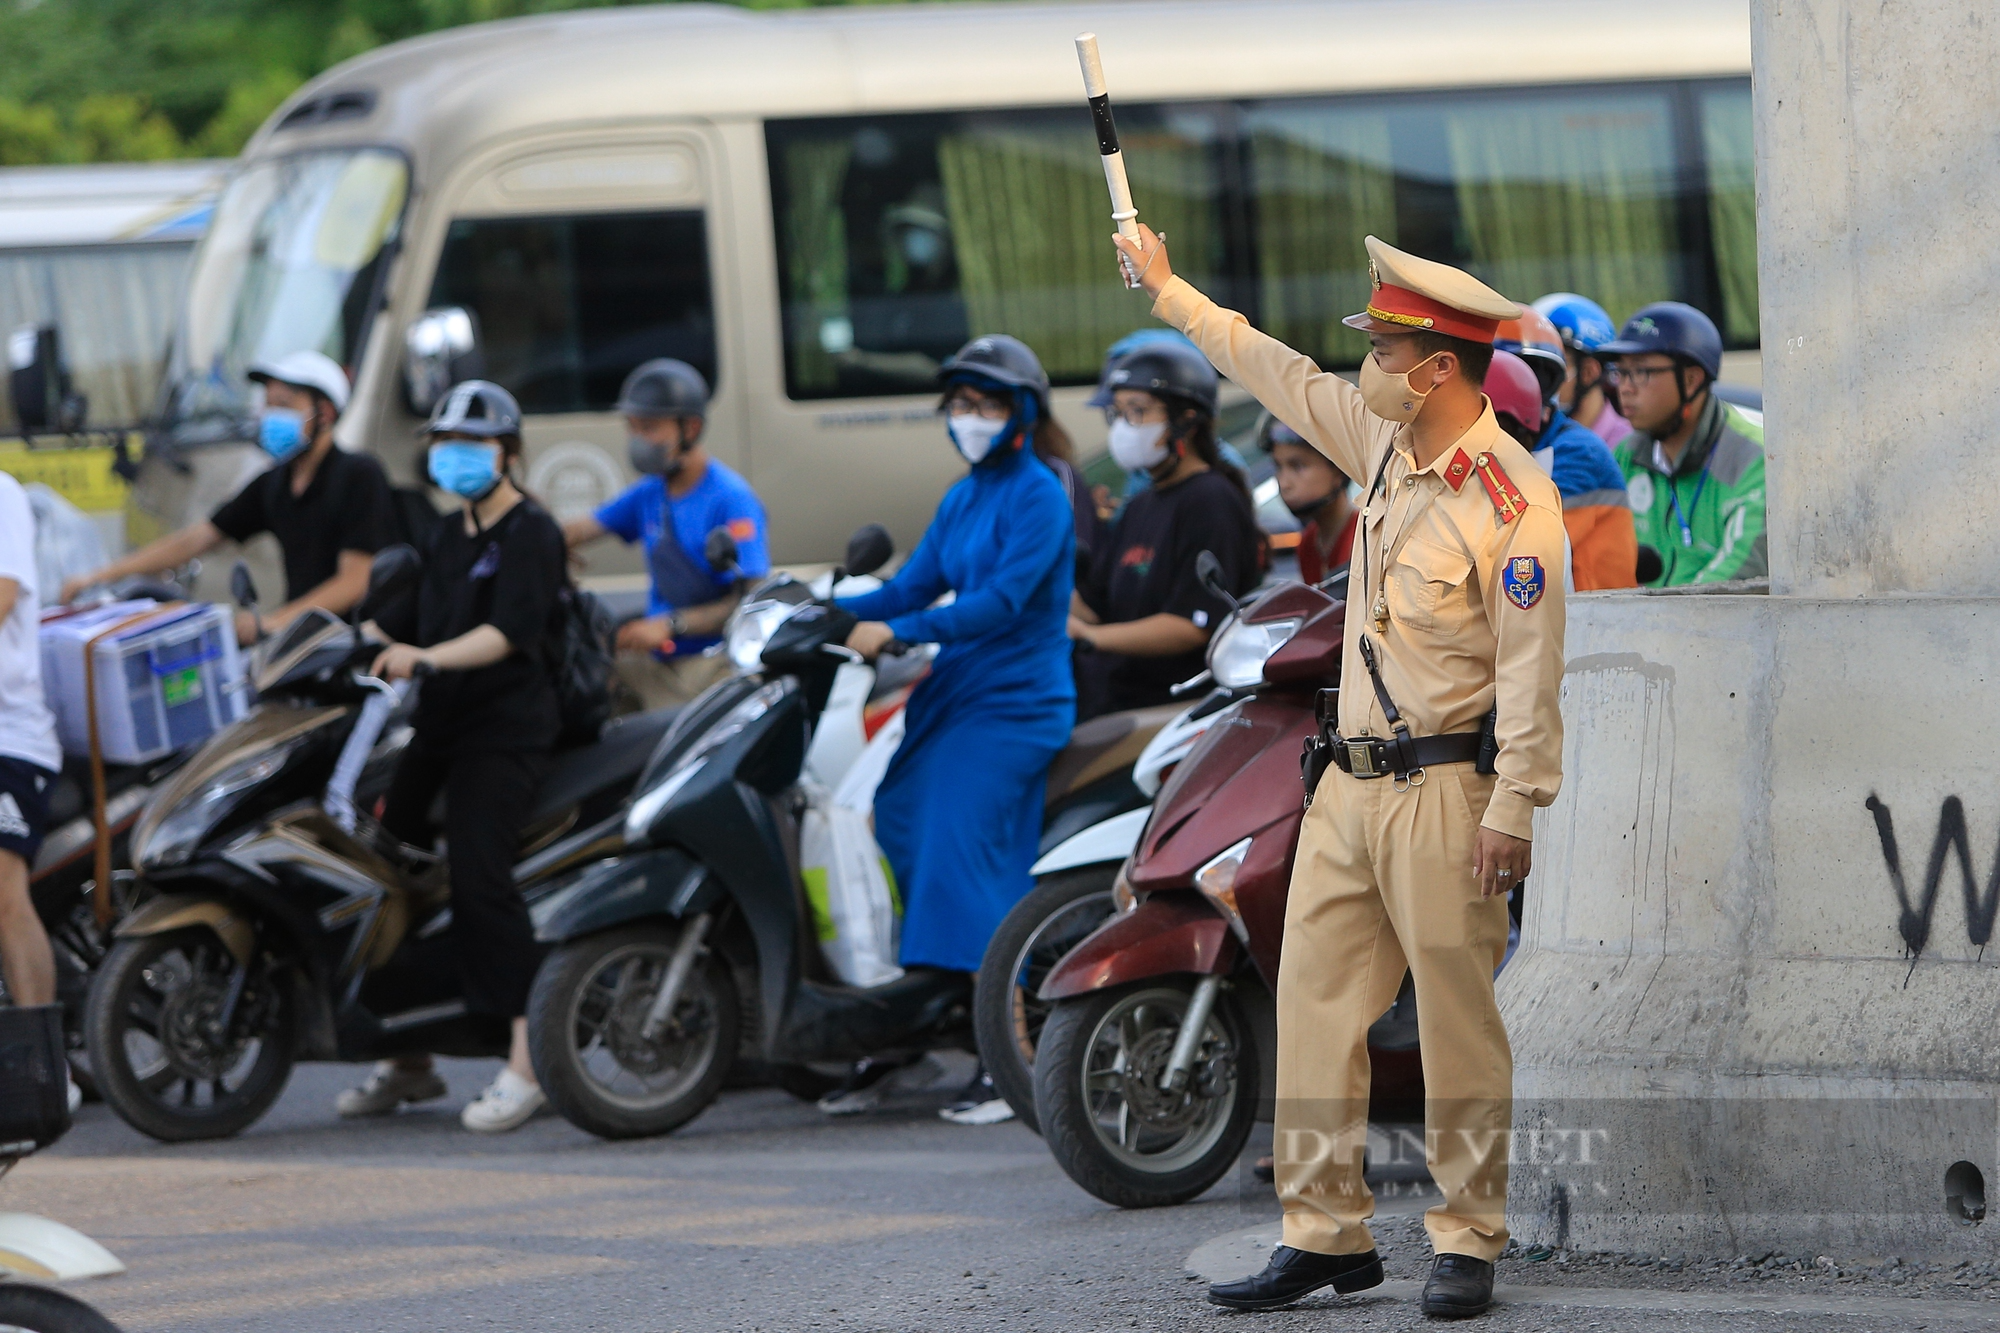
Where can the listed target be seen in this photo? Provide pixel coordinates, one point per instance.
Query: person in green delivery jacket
(1693, 464)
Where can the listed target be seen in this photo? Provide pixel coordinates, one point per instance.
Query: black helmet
(475, 407)
(663, 387)
(1680, 331)
(1003, 360)
(1169, 370)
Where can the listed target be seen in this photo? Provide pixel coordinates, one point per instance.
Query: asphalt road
(761, 1215)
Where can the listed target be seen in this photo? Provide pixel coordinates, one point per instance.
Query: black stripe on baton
(1107, 130)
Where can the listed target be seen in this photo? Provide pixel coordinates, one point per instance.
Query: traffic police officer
(1409, 847)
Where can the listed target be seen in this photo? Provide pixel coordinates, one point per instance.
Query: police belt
(1380, 756)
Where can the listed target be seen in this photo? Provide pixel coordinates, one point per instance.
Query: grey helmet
(1175, 371)
(999, 359)
(663, 387)
(475, 407)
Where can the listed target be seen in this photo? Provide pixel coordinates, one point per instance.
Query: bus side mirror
(440, 348)
(38, 385)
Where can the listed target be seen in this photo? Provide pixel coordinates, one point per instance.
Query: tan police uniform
(1459, 591)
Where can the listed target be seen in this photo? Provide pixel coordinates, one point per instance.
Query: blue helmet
(1124, 347)
(1583, 324)
(1674, 329)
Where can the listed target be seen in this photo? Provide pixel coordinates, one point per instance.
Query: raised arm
(1322, 407)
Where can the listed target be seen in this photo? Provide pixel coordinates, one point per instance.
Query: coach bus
(815, 207)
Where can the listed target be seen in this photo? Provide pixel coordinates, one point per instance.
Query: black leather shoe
(1459, 1286)
(1295, 1273)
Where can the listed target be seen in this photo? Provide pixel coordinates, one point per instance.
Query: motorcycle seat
(618, 755)
(1104, 745)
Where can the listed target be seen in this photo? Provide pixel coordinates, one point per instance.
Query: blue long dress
(959, 812)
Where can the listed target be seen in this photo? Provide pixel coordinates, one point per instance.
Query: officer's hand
(1148, 258)
(868, 637)
(643, 636)
(1499, 861)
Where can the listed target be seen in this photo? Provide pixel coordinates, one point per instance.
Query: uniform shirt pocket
(1427, 587)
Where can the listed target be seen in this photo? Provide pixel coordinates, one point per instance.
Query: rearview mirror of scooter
(242, 587)
(394, 572)
(720, 551)
(868, 550)
(1209, 570)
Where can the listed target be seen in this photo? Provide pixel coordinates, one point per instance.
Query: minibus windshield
(292, 262)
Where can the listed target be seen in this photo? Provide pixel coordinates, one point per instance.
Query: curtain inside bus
(906, 235)
(115, 306)
(1732, 207)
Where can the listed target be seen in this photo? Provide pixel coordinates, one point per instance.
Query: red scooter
(1160, 1049)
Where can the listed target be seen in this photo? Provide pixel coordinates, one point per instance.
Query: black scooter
(277, 921)
(698, 941)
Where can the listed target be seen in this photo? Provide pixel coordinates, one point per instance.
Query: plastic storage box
(167, 677)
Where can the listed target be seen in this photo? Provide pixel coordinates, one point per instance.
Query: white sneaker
(75, 1094)
(994, 1112)
(388, 1087)
(509, 1102)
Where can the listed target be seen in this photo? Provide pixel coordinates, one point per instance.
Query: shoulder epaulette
(1508, 502)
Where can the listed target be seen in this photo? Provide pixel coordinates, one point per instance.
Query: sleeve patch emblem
(1525, 582)
(743, 529)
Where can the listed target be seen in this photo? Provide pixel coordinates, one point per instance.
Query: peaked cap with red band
(1413, 295)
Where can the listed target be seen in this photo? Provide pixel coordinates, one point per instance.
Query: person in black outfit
(329, 508)
(1142, 612)
(486, 722)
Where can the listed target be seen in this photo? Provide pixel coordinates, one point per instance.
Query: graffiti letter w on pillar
(1914, 921)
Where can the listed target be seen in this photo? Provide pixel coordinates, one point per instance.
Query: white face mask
(1392, 397)
(973, 434)
(1138, 448)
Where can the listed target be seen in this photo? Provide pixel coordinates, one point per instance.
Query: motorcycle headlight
(170, 836)
(1236, 655)
(750, 628)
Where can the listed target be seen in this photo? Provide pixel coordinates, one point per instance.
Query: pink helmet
(1515, 392)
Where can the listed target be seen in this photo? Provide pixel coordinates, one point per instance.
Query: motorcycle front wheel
(164, 1058)
(1106, 1118)
(1007, 1016)
(41, 1310)
(586, 1021)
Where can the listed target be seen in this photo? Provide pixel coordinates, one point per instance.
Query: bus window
(567, 306)
(901, 237)
(1552, 190)
(1732, 207)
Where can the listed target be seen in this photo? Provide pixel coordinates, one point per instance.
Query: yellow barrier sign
(81, 474)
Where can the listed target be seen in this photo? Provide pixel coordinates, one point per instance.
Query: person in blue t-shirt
(682, 496)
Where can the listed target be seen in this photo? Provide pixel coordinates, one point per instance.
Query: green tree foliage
(138, 80)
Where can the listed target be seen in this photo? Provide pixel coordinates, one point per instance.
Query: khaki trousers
(1382, 883)
(678, 680)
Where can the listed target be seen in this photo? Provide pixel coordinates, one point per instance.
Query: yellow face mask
(1393, 397)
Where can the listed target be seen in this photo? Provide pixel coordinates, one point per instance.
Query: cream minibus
(815, 207)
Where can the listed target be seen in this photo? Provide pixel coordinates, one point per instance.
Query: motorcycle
(1075, 881)
(34, 1112)
(699, 941)
(280, 922)
(1159, 1049)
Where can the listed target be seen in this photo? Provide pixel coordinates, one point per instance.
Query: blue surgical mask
(281, 431)
(465, 468)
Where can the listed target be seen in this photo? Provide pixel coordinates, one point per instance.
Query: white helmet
(306, 370)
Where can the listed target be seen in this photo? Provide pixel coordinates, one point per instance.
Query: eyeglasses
(961, 404)
(1148, 415)
(1637, 375)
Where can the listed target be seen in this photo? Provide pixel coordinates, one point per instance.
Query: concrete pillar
(1756, 1005)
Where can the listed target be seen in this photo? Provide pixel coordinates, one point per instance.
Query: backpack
(580, 665)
